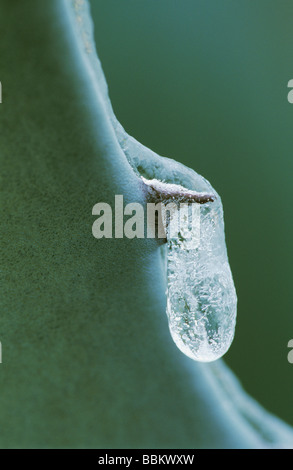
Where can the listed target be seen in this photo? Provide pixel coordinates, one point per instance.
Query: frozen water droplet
(201, 297)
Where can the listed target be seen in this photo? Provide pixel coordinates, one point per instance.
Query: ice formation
(201, 297)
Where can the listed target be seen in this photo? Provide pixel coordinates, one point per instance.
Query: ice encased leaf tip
(201, 297)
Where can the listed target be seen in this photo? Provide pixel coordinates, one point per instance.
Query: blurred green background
(205, 82)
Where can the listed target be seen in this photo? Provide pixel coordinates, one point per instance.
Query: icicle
(201, 297)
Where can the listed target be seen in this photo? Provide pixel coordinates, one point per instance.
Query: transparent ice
(201, 297)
